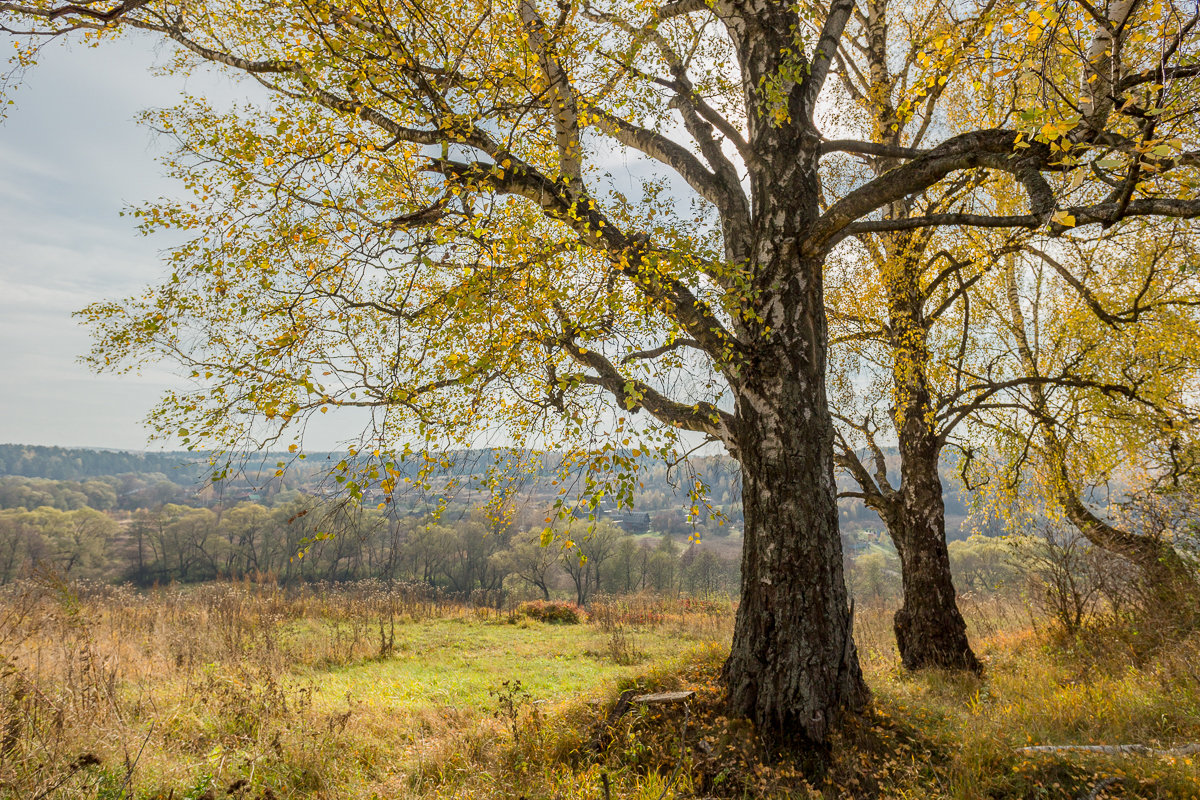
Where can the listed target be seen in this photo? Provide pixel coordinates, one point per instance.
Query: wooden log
(1112, 749)
(661, 697)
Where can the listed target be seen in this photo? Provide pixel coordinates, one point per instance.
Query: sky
(72, 156)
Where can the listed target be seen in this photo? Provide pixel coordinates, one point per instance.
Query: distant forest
(68, 479)
(144, 480)
(61, 463)
(156, 518)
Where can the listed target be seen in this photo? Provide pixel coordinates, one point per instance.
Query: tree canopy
(424, 215)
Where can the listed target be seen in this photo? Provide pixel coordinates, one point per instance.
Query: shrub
(554, 612)
(1069, 580)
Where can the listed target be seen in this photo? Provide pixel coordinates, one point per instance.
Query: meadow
(366, 690)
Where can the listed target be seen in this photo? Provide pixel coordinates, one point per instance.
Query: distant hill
(659, 487)
(71, 464)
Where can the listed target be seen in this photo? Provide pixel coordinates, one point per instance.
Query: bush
(610, 611)
(1070, 580)
(554, 612)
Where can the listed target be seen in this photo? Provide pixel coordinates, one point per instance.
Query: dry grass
(254, 692)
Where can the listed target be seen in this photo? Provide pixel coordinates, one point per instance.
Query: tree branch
(562, 97)
(994, 149)
(1102, 213)
(634, 395)
(630, 255)
(870, 149)
(823, 54)
(730, 202)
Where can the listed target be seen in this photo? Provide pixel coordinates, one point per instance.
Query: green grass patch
(456, 663)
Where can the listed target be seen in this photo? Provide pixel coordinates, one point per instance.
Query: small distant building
(629, 521)
(632, 523)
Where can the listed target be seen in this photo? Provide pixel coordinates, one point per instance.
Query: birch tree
(1126, 426)
(911, 362)
(420, 220)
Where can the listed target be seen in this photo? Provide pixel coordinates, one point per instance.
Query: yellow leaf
(1063, 218)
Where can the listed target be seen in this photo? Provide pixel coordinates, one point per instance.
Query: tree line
(302, 540)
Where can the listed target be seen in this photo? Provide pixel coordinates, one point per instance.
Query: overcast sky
(72, 156)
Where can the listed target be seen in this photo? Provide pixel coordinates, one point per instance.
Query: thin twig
(131, 767)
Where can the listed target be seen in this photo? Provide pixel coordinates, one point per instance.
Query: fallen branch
(1112, 749)
(661, 697)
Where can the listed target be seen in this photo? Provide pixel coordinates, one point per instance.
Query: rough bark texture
(930, 630)
(793, 667)
(793, 664)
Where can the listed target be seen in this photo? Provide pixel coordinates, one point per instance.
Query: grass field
(359, 692)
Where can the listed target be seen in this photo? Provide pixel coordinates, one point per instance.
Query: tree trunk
(930, 630)
(1169, 582)
(793, 668)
